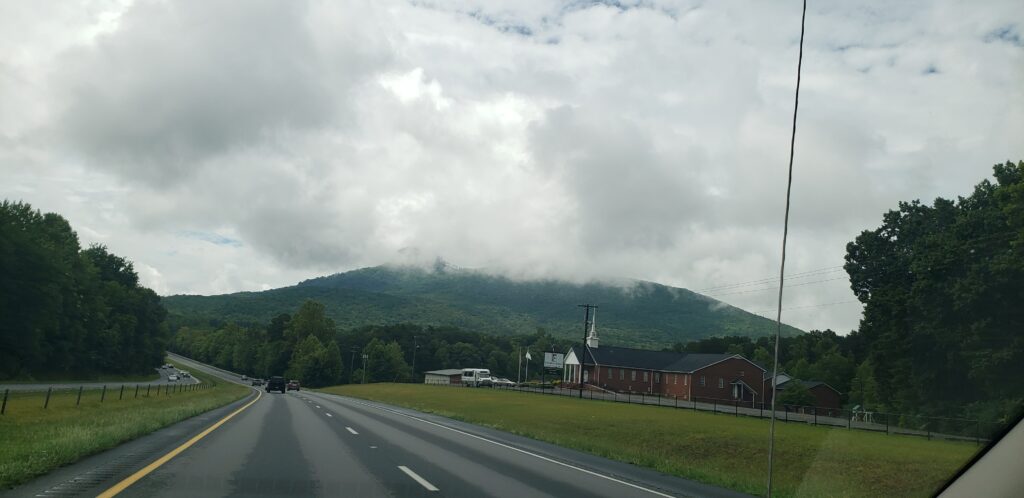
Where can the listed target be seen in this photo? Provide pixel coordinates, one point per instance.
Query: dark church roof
(643, 359)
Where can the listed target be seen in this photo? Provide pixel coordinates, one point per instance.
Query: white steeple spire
(592, 337)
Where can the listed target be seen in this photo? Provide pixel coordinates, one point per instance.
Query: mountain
(632, 312)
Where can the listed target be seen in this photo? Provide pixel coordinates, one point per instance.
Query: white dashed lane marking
(353, 431)
(416, 477)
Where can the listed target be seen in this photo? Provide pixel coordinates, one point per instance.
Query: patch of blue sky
(1007, 34)
(213, 238)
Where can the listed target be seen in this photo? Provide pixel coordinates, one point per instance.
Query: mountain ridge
(631, 311)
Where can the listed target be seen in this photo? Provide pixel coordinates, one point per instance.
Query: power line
(827, 269)
(809, 306)
(785, 235)
(771, 288)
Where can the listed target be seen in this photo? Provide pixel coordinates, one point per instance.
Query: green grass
(44, 379)
(34, 441)
(717, 449)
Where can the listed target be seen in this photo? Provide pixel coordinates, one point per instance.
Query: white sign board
(553, 360)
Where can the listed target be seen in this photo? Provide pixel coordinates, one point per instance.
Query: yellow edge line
(128, 481)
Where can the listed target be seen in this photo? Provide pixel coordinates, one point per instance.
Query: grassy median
(34, 440)
(716, 449)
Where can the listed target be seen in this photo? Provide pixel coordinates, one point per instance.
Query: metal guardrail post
(47, 402)
(136, 390)
(79, 400)
(3, 408)
(103, 395)
(121, 396)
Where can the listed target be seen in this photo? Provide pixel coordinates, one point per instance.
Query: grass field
(34, 441)
(717, 449)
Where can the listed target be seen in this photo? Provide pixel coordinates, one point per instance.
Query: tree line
(308, 346)
(67, 311)
(943, 326)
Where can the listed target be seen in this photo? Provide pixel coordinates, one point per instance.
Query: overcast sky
(228, 146)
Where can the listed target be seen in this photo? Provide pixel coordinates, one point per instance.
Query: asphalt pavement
(313, 444)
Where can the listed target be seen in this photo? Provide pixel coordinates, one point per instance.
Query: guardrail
(950, 428)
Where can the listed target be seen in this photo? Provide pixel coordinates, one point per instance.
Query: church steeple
(592, 336)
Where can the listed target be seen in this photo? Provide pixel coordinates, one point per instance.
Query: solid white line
(353, 431)
(423, 482)
(329, 415)
(513, 448)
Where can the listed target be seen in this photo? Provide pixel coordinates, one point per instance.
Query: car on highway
(503, 382)
(257, 382)
(172, 378)
(293, 385)
(244, 377)
(276, 383)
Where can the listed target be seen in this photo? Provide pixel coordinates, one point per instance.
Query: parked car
(503, 382)
(276, 384)
(185, 374)
(172, 378)
(293, 385)
(476, 377)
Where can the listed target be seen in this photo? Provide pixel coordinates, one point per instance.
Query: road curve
(313, 444)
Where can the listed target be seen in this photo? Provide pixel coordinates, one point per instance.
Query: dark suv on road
(276, 384)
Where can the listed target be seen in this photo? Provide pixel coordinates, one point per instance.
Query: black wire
(785, 234)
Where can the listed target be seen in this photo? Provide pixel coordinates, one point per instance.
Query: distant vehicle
(503, 382)
(293, 385)
(172, 378)
(476, 377)
(257, 382)
(185, 374)
(276, 384)
(245, 378)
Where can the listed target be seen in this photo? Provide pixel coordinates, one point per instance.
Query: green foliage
(385, 362)
(942, 287)
(795, 393)
(641, 314)
(67, 311)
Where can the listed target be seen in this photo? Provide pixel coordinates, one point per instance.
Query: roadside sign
(553, 360)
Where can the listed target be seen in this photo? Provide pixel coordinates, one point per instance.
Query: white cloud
(225, 149)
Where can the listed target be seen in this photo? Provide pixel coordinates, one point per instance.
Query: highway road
(312, 444)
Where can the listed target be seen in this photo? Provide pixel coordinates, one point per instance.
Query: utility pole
(365, 357)
(583, 350)
(519, 370)
(352, 364)
(414, 348)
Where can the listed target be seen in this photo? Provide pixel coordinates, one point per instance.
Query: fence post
(103, 395)
(79, 400)
(136, 390)
(886, 423)
(977, 434)
(3, 408)
(677, 402)
(786, 408)
(148, 387)
(47, 402)
(714, 406)
(121, 396)
(736, 407)
(815, 415)
(849, 421)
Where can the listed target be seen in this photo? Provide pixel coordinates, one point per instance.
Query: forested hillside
(641, 314)
(68, 311)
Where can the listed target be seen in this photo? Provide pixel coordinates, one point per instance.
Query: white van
(476, 377)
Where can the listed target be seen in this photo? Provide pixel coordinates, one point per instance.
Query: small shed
(443, 377)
